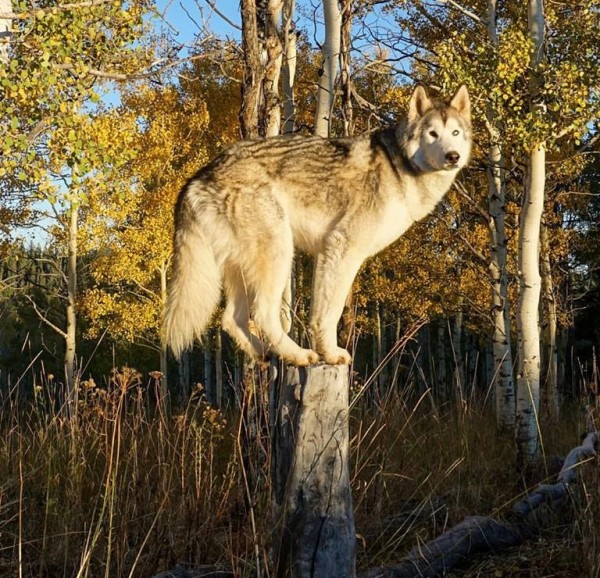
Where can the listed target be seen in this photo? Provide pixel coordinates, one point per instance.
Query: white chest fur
(419, 199)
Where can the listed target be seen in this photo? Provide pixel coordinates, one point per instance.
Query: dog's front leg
(335, 269)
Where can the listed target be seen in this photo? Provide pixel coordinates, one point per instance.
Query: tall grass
(117, 490)
(123, 488)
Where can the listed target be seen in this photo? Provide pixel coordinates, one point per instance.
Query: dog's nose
(452, 157)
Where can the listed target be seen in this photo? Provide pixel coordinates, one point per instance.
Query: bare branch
(140, 75)
(223, 16)
(43, 318)
(150, 295)
(462, 191)
(464, 10)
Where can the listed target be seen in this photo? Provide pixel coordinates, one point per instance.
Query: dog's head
(438, 134)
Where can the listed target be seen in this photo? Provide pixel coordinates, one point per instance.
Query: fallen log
(549, 493)
(473, 535)
(478, 534)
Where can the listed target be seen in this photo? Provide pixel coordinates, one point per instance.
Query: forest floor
(125, 489)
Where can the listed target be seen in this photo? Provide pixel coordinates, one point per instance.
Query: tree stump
(314, 523)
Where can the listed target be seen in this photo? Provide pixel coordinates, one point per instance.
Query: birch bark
(314, 533)
(345, 76)
(528, 376)
(330, 66)
(71, 314)
(504, 385)
(273, 53)
(252, 77)
(288, 72)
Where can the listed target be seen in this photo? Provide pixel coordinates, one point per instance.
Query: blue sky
(186, 19)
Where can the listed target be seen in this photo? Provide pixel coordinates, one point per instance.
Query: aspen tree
(528, 374)
(329, 68)
(57, 59)
(288, 77)
(504, 386)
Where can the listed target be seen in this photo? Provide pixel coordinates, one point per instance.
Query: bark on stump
(314, 527)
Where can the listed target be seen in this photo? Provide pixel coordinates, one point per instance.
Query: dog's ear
(419, 103)
(461, 102)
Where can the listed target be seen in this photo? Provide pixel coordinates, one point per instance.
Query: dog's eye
(455, 132)
(433, 134)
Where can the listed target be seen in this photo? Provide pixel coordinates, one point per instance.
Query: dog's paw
(338, 356)
(303, 358)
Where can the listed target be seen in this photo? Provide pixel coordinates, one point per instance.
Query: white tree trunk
(289, 67)
(330, 66)
(253, 71)
(71, 314)
(5, 31)
(274, 56)
(504, 385)
(501, 340)
(528, 377)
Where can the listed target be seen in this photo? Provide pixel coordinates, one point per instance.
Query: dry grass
(124, 490)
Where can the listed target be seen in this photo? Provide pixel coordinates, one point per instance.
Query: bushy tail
(194, 291)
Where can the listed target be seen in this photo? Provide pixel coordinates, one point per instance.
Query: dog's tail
(194, 290)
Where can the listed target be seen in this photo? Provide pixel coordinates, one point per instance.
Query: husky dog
(239, 220)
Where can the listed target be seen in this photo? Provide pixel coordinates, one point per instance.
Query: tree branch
(464, 10)
(45, 319)
(462, 191)
(140, 75)
(223, 16)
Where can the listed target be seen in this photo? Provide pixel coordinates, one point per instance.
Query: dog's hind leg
(236, 317)
(268, 277)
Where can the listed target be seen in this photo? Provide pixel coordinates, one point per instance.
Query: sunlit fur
(240, 219)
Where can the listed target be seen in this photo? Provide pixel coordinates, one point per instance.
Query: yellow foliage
(129, 223)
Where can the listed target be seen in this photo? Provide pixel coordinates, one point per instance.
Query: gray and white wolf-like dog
(240, 218)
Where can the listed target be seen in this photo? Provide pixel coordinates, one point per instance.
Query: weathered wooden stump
(314, 527)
